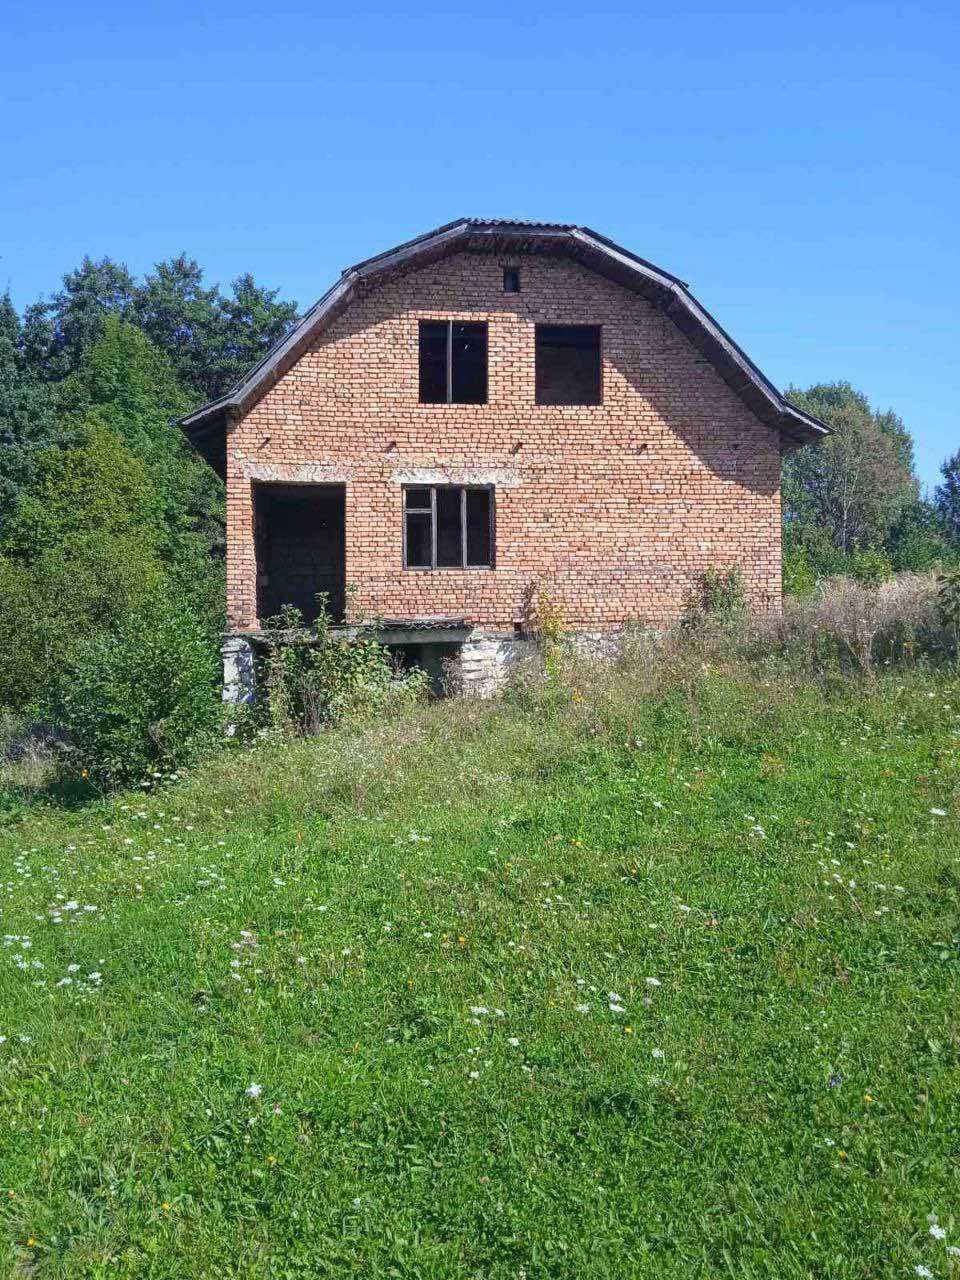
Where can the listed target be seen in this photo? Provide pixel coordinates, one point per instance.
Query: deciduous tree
(852, 487)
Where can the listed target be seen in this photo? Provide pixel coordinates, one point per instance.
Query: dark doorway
(433, 658)
(301, 546)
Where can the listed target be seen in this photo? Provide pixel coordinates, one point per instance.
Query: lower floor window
(448, 527)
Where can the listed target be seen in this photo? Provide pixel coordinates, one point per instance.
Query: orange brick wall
(616, 508)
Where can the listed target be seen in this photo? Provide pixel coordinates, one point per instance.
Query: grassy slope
(804, 1117)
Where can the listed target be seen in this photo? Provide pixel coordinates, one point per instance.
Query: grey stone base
(239, 672)
(486, 660)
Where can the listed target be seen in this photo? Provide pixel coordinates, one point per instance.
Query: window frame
(431, 510)
(567, 404)
(448, 325)
(511, 275)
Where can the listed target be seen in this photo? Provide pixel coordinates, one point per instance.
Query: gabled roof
(661, 288)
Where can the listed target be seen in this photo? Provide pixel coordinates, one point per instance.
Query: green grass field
(636, 984)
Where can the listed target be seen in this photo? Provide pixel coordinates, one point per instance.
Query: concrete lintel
(499, 477)
(293, 473)
(423, 635)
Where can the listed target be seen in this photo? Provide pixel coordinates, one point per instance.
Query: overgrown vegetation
(655, 980)
(312, 678)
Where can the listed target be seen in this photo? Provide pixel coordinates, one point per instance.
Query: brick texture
(614, 509)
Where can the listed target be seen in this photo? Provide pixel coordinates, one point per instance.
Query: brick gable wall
(616, 508)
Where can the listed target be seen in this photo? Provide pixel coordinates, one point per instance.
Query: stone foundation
(239, 671)
(486, 660)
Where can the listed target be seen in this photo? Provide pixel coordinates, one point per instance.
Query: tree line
(106, 513)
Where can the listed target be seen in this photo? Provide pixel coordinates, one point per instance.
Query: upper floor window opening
(568, 365)
(453, 362)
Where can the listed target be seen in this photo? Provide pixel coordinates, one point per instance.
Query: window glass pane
(419, 554)
(433, 361)
(469, 363)
(449, 531)
(418, 499)
(568, 364)
(479, 544)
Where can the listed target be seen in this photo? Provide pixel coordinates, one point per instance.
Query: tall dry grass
(844, 628)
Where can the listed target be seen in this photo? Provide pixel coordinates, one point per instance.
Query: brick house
(491, 412)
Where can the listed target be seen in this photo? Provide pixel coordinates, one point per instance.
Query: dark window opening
(453, 362)
(448, 527)
(511, 280)
(300, 546)
(568, 364)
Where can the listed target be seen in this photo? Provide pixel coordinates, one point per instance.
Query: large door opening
(300, 537)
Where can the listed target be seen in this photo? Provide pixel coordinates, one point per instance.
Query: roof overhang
(206, 426)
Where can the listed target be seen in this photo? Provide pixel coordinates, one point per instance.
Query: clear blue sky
(798, 163)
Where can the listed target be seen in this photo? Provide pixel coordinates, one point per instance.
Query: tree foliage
(59, 330)
(852, 487)
(81, 549)
(125, 385)
(210, 338)
(124, 512)
(103, 505)
(947, 497)
(28, 421)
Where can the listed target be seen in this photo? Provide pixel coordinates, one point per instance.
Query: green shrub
(799, 578)
(142, 699)
(824, 559)
(717, 604)
(312, 677)
(869, 566)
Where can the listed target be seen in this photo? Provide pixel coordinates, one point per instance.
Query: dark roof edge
(716, 344)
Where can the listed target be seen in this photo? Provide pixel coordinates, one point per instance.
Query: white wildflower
(253, 1090)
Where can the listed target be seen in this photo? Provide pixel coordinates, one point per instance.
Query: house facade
(489, 416)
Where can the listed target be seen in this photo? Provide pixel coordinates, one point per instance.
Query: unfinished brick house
(492, 413)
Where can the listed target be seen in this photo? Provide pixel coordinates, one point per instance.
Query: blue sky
(799, 164)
